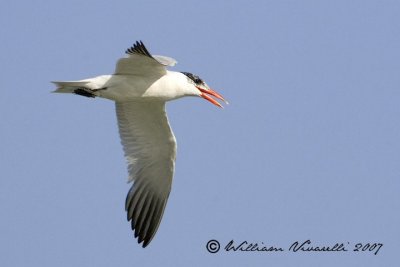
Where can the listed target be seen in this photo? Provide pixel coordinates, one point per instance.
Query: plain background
(308, 148)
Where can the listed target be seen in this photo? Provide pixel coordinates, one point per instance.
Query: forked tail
(75, 87)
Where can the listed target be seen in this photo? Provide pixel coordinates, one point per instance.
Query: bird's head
(204, 90)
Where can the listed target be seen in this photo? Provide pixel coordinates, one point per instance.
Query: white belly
(131, 87)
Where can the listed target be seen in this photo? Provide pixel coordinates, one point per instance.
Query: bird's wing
(140, 62)
(150, 150)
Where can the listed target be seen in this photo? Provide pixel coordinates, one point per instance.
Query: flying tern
(140, 87)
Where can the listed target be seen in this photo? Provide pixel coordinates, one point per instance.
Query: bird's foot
(88, 92)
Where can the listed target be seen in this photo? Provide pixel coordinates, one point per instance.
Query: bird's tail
(69, 86)
(75, 87)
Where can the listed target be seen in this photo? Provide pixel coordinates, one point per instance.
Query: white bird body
(140, 87)
(170, 86)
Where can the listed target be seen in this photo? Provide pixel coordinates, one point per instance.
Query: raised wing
(150, 150)
(141, 62)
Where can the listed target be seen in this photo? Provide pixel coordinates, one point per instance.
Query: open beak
(205, 93)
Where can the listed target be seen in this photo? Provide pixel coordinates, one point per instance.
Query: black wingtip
(145, 243)
(138, 48)
(145, 211)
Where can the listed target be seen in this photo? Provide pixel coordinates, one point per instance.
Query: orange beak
(205, 94)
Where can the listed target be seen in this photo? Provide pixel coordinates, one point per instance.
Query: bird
(140, 87)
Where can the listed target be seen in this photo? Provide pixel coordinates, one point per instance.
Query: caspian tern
(140, 87)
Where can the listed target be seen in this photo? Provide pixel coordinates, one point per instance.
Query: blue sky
(309, 147)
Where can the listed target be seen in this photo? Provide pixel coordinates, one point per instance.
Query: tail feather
(88, 87)
(69, 86)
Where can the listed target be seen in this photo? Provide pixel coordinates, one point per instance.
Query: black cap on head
(196, 79)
